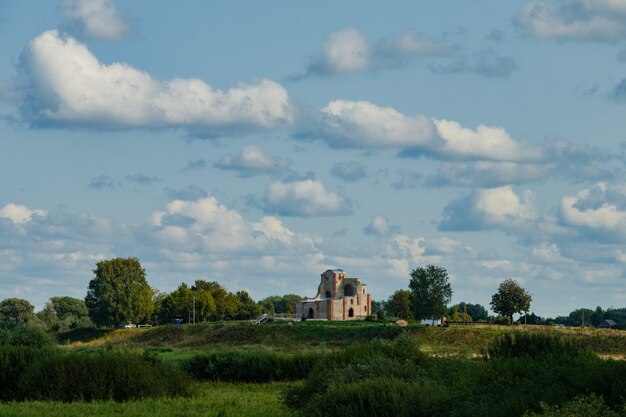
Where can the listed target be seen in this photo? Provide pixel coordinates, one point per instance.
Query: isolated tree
(119, 293)
(16, 311)
(399, 304)
(431, 292)
(511, 298)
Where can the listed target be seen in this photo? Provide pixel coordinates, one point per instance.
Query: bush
(14, 361)
(537, 346)
(25, 335)
(583, 406)
(502, 320)
(258, 365)
(54, 375)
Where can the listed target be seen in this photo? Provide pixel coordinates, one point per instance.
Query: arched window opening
(311, 314)
(328, 294)
(351, 312)
(352, 301)
(348, 290)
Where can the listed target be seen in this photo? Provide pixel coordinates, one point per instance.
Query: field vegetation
(313, 368)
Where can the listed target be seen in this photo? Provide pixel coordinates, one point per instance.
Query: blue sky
(260, 143)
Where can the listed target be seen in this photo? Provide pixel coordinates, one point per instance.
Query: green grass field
(176, 344)
(212, 400)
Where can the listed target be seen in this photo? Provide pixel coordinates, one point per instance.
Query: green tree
(511, 298)
(248, 308)
(399, 304)
(431, 292)
(477, 311)
(229, 307)
(16, 311)
(119, 293)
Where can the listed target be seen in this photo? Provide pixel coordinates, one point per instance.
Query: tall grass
(54, 375)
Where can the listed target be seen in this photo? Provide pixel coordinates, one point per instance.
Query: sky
(258, 144)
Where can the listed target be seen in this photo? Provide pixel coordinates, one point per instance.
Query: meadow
(323, 368)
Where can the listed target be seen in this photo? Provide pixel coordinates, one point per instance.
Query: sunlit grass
(212, 400)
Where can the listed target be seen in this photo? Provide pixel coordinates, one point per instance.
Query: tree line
(119, 293)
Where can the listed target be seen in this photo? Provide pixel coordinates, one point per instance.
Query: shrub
(258, 365)
(26, 335)
(502, 320)
(583, 406)
(537, 346)
(14, 361)
(105, 375)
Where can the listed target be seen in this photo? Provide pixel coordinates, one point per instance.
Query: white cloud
(308, 198)
(600, 20)
(488, 208)
(69, 86)
(19, 214)
(350, 51)
(346, 51)
(206, 226)
(95, 19)
(363, 124)
(252, 160)
(488, 173)
(379, 226)
(599, 211)
(491, 143)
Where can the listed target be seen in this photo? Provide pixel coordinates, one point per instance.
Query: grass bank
(211, 400)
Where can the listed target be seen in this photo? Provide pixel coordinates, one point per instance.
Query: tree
(119, 293)
(16, 311)
(247, 308)
(477, 311)
(511, 298)
(399, 304)
(431, 292)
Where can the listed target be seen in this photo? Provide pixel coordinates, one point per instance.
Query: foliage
(252, 365)
(16, 311)
(369, 382)
(65, 313)
(511, 298)
(210, 400)
(476, 311)
(247, 308)
(454, 316)
(539, 346)
(279, 304)
(119, 293)
(431, 292)
(54, 375)
(399, 304)
(25, 335)
(590, 405)
(180, 304)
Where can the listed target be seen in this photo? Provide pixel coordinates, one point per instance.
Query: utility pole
(582, 321)
(194, 309)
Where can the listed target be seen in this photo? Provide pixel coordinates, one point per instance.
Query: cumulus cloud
(599, 211)
(489, 208)
(20, 214)
(94, 19)
(349, 51)
(485, 62)
(348, 171)
(597, 20)
(379, 226)
(308, 198)
(361, 124)
(252, 160)
(66, 85)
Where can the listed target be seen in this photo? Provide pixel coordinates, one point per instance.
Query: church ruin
(338, 298)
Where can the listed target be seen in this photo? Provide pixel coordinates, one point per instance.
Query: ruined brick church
(338, 298)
